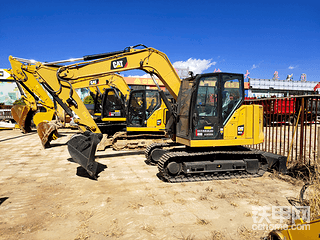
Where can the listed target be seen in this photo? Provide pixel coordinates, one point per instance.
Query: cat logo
(240, 130)
(94, 82)
(120, 63)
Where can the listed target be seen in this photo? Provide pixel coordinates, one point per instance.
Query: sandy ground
(44, 195)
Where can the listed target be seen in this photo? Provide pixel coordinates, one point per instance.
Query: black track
(153, 146)
(192, 156)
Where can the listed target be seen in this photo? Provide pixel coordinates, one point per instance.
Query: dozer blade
(22, 114)
(47, 131)
(82, 149)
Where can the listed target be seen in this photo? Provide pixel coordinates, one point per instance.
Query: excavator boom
(149, 60)
(33, 94)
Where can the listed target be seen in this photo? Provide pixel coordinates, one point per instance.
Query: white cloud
(146, 75)
(256, 65)
(197, 66)
(292, 67)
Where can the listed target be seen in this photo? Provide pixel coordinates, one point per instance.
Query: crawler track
(153, 146)
(204, 176)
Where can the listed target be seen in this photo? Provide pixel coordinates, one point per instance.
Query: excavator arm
(33, 94)
(149, 60)
(57, 81)
(63, 93)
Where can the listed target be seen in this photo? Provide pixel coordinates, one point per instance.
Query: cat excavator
(46, 115)
(110, 94)
(53, 116)
(206, 121)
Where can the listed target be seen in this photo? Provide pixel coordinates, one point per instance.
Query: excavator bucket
(82, 149)
(22, 114)
(47, 131)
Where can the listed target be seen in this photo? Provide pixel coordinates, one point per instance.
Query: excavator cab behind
(113, 106)
(113, 111)
(142, 106)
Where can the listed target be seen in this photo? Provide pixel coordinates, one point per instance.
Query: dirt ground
(44, 195)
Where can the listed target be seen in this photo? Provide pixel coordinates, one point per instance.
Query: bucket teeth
(82, 149)
(47, 131)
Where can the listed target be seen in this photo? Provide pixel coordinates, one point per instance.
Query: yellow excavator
(34, 96)
(206, 121)
(109, 116)
(53, 116)
(110, 94)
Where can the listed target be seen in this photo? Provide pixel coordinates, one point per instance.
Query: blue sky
(233, 36)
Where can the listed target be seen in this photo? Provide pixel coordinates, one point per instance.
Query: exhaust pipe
(82, 148)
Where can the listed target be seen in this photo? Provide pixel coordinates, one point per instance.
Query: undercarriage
(185, 164)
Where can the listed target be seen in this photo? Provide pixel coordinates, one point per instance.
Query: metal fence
(291, 127)
(5, 112)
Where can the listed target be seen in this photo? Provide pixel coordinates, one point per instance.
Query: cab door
(206, 117)
(136, 109)
(143, 106)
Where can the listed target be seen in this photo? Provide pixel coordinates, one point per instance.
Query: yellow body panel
(250, 116)
(303, 230)
(144, 129)
(158, 115)
(113, 119)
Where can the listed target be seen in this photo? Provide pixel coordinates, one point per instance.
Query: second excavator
(110, 94)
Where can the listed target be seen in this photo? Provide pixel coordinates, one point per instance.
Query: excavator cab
(111, 109)
(206, 103)
(142, 104)
(113, 105)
